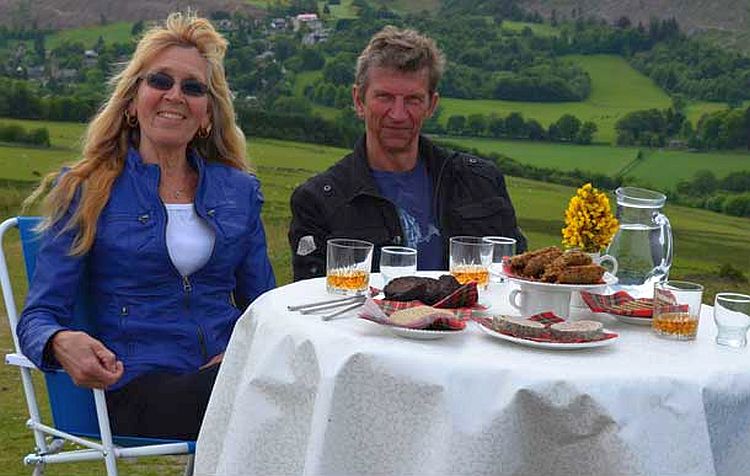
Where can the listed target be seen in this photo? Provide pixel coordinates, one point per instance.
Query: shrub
(728, 271)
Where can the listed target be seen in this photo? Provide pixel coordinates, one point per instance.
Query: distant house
(279, 24)
(264, 57)
(310, 20)
(35, 72)
(225, 24)
(90, 57)
(315, 37)
(677, 144)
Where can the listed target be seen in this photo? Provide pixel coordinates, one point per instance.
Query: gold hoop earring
(204, 132)
(131, 121)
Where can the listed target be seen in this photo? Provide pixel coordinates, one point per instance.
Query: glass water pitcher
(643, 243)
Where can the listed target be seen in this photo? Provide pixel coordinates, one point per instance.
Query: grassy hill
(616, 89)
(112, 33)
(692, 15)
(660, 169)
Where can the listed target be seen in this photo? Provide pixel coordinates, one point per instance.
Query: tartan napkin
(620, 303)
(379, 310)
(547, 319)
(465, 296)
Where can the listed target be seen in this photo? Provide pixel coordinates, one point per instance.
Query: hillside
(56, 14)
(692, 15)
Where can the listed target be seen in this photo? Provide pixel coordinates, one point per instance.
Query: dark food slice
(427, 290)
(406, 288)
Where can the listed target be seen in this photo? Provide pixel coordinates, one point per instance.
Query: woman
(165, 217)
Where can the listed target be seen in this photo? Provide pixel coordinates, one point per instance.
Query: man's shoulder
(332, 180)
(463, 162)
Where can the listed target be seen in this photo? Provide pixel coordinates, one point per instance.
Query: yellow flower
(589, 222)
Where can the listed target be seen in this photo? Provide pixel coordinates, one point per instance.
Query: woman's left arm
(254, 275)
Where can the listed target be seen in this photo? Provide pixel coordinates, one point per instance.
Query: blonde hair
(105, 144)
(404, 50)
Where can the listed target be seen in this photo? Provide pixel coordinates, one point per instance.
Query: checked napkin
(620, 303)
(462, 303)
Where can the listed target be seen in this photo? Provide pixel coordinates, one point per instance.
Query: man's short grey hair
(405, 51)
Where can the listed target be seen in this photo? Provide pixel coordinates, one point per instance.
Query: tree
(456, 124)
(586, 133)
(339, 70)
(292, 105)
(496, 125)
(137, 28)
(567, 127)
(515, 125)
(477, 124)
(312, 59)
(535, 130)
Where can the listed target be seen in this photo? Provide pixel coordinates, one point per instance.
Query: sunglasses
(164, 82)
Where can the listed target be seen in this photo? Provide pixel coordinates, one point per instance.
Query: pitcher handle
(612, 263)
(665, 238)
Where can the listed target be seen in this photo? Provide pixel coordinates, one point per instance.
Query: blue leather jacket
(146, 312)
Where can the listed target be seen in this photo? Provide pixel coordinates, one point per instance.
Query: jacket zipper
(436, 204)
(187, 286)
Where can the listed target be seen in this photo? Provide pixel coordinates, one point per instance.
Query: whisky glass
(470, 259)
(348, 266)
(677, 309)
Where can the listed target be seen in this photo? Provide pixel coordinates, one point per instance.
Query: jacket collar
(134, 161)
(150, 172)
(360, 174)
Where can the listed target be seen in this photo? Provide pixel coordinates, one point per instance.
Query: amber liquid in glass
(680, 325)
(347, 280)
(467, 273)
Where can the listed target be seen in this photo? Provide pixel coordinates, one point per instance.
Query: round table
(297, 395)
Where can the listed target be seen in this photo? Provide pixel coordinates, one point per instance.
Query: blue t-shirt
(411, 192)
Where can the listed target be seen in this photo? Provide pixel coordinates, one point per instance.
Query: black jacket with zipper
(469, 198)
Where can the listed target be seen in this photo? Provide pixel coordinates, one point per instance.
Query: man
(396, 187)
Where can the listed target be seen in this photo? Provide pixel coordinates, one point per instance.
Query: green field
(601, 159)
(342, 10)
(413, 6)
(539, 29)
(661, 169)
(118, 32)
(616, 89)
(703, 241)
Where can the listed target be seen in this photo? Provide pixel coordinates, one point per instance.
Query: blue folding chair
(79, 415)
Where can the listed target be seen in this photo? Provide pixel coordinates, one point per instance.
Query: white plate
(639, 321)
(609, 280)
(550, 345)
(422, 334)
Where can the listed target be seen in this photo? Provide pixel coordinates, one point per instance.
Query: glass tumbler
(502, 247)
(348, 266)
(397, 261)
(470, 259)
(677, 309)
(732, 317)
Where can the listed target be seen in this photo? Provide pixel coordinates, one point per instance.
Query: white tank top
(190, 240)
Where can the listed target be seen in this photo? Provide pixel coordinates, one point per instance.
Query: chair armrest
(19, 360)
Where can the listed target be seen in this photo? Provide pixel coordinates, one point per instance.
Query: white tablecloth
(296, 395)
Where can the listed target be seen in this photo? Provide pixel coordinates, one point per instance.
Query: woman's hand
(88, 362)
(214, 360)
